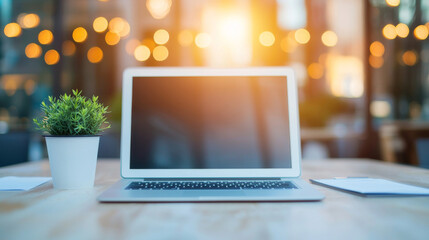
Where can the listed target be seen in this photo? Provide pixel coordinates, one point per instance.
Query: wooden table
(45, 213)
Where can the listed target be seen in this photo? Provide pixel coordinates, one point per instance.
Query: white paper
(21, 183)
(372, 186)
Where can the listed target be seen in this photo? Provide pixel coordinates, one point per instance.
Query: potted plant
(73, 123)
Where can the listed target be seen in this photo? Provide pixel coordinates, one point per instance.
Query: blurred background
(362, 66)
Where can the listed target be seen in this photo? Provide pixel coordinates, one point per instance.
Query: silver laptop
(203, 134)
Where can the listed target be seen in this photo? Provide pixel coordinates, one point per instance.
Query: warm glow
(45, 37)
(389, 31)
(409, 58)
(345, 76)
(29, 86)
(29, 20)
(33, 50)
(69, 48)
(393, 3)
(12, 30)
(161, 37)
(79, 34)
(148, 42)
(315, 71)
(95, 54)
(160, 53)
(125, 29)
(52, 57)
(377, 49)
(329, 38)
(421, 32)
(402, 30)
(116, 25)
(100, 24)
(288, 44)
(231, 35)
(376, 61)
(186, 38)
(142, 53)
(203, 40)
(380, 109)
(131, 46)
(11, 83)
(302, 36)
(158, 8)
(267, 38)
(112, 38)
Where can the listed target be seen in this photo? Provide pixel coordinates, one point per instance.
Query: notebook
(372, 187)
(13, 183)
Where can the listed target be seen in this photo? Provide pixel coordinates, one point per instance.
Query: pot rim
(72, 136)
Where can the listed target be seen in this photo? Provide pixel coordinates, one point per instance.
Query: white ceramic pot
(72, 160)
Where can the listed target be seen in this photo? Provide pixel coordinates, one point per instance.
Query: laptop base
(119, 193)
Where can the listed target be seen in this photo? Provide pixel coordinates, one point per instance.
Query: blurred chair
(14, 148)
(405, 142)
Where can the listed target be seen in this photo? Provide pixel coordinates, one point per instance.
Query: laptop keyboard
(209, 185)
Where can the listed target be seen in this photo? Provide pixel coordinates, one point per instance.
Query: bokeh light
(329, 38)
(95, 54)
(393, 3)
(421, 32)
(142, 53)
(33, 50)
(376, 62)
(402, 30)
(160, 53)
(12, 30)
(100, 24)
(119, 26)
(52, 57)
(79, 34)
(380, 109)
(148, 42)
(159, 9)
(315, 71)
(125, 29)
(69, 48)
(112, 38)
(288, 44)
(302, 36)
(131, 45)
(161, 36)
(267, 38)
(389, 31)
(377, 49)
(186, 38)
(29, 86)
(45, 37)
(409, 58)
(30, 20)
(203, 40)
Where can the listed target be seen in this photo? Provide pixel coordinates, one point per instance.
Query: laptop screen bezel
(127, 84)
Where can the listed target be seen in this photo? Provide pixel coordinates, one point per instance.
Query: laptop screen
(209, 122)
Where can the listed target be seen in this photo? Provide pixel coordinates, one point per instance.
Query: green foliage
(72, 115)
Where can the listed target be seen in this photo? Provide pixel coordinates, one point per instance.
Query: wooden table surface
(46, 213)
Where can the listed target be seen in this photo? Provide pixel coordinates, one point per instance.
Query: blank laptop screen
(210, 122)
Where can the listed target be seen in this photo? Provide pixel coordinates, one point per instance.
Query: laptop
(209, 135)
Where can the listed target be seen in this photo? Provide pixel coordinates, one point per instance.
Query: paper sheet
(21, 183)
(372, 186)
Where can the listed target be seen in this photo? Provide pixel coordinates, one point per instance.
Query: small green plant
(72, 115)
